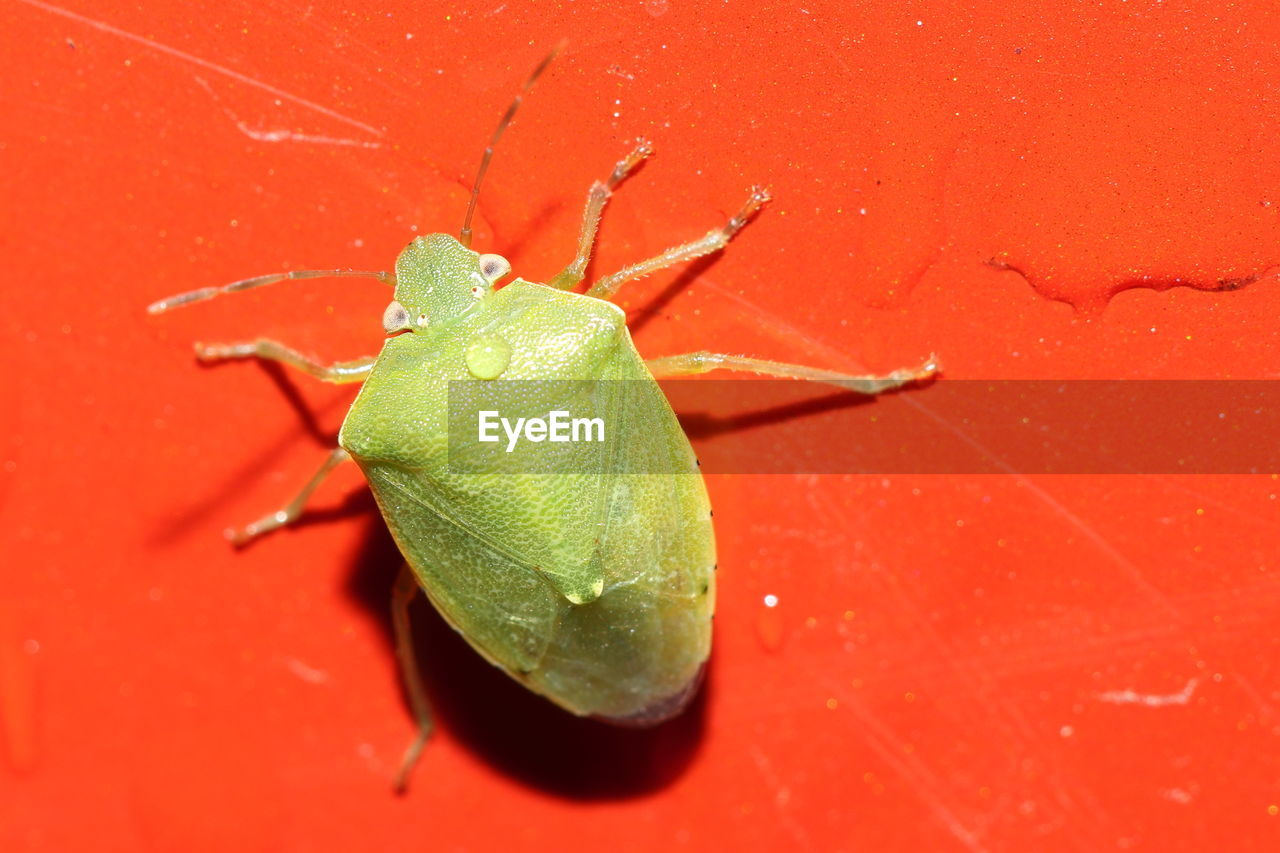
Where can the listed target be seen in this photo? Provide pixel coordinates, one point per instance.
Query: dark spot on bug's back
(705, 587)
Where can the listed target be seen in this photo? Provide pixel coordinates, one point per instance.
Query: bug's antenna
(464, 236)
(207, 293)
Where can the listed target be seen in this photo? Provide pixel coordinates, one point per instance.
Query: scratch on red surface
(1181, 796)
(1100, 542)
(305, 672)
(1266, 710)
(203, 63)
(1151, 700)
(1072, 645)
(1012, 724)
(926, 784)
(1130, 568)
(775, 326)
(281, 134)
(886, 742)
(781, 795)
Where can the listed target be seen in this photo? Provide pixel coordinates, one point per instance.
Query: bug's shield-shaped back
(584, 567)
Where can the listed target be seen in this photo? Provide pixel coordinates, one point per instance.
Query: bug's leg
(293, 509)
(205, 293)
(596, 198)
(703, 361)
(714, 241)
(338, 372)
(406, 587)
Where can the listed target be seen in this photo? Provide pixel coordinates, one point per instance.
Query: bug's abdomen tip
(663, 709)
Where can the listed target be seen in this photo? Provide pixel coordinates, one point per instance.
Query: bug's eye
(477, 291)
(395, 318)
(494, 267)
(422, 320)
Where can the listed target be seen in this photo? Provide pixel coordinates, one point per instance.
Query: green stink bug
(595, 592)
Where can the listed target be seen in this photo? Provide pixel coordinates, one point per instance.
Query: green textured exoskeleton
(593, 585)
(593, 589)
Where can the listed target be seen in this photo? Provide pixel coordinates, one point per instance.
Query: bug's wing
(540, 503)
(541, 506)
(493, 598)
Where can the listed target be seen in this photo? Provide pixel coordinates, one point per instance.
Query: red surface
(955, 663)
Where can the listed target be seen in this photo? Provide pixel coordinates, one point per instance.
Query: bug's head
(438, 279)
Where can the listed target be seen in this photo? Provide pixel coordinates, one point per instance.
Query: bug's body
(594, 589)
(589, 578)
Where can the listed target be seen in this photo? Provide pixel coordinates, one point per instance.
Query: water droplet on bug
(488, 356)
